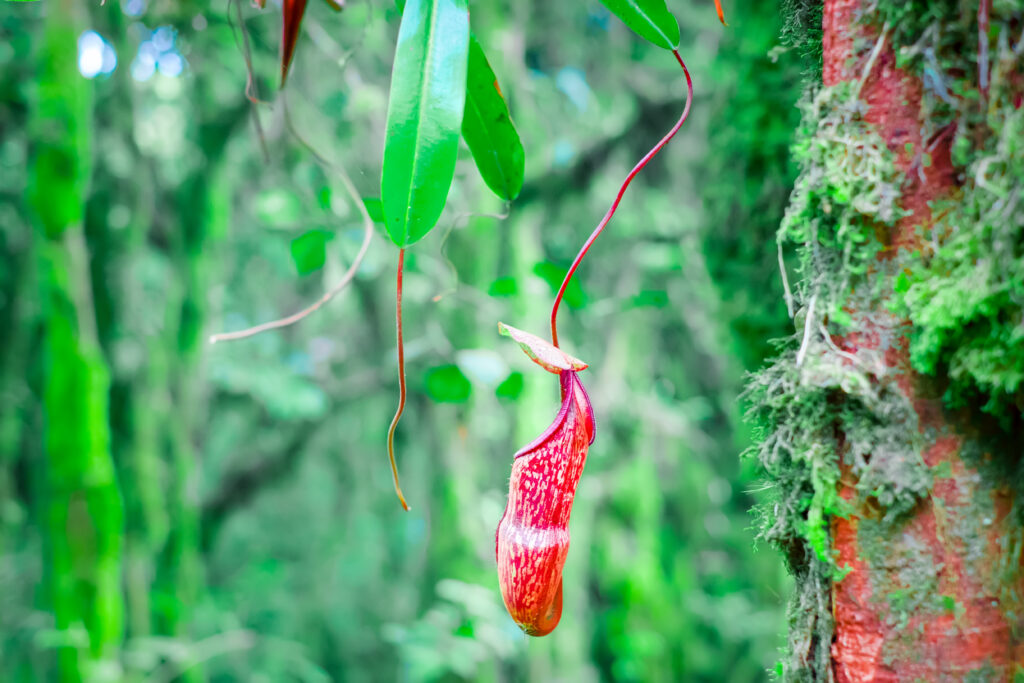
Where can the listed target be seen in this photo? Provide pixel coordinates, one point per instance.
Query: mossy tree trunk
(891, 426)
(119, 213)
(81, 511)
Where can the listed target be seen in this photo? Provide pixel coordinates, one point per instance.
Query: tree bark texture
(890, 426)
(956, 555)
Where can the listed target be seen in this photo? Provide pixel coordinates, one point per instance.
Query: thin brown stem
(401, 381)
(353, 194)
(618, 198)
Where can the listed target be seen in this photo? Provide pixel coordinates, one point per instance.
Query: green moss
(913, 573)
(848, 186)
(814, 420)
(983, 674)
(967, 300)
(802, 32)
(820, 411)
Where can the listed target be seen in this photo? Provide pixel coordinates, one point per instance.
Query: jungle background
(240, 518)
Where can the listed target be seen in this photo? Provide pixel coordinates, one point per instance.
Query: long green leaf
(428, 96)
(649, 18)
(488, 129)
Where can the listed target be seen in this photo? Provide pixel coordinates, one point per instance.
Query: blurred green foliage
(261, 540)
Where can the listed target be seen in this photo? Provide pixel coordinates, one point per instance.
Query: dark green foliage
(82, 511)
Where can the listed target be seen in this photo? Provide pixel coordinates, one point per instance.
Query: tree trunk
(81, 510)
(891, 426)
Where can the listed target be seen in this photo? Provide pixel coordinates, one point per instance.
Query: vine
(618, 198)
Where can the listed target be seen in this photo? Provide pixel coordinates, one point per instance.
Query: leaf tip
(542, 352)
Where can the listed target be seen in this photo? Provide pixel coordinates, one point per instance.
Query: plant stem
(618, 198)
(353, 193)
(401, 381)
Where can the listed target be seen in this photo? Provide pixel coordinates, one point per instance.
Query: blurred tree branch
(240, 487)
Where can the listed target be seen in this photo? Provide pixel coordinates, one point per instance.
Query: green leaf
(309, 251)
(427, 101)
(512, 387)
(503, 286)
(374, 208)
(447, 384)
(488, 130)
(648, 18)
(541, 351)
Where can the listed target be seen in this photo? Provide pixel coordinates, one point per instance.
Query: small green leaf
(425, 108)
(503, 286)
(542, 352)
(447, 384)
(309, 251)
(512, 387)
(488, 130)
(650, 19)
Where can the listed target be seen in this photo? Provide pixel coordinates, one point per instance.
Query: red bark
(966, 550)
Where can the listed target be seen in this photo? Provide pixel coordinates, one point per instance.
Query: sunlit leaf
(651, 298)
(278, 209)
(427, 100)
(542, 352)
(650, 19)
(488, 130)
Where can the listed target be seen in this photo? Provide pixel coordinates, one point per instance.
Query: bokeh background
(260, 539)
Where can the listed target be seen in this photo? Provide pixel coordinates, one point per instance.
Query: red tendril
(401, 381)
(618, 198)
